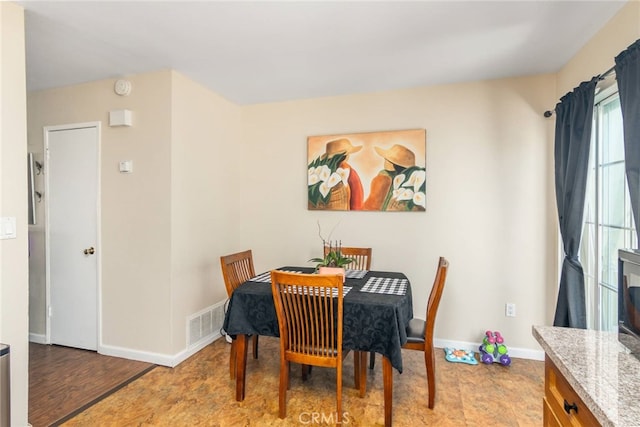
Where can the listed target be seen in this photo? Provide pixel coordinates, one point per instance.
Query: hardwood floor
(199, 392)
(63, 381)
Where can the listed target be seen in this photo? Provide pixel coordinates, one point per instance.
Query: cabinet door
(549, 419)
(563, 401)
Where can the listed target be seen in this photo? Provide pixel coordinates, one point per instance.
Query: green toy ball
(502, 349)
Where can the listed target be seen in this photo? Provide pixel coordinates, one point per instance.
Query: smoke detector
(122, 87)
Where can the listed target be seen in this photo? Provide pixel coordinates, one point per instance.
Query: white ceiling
(265, 51)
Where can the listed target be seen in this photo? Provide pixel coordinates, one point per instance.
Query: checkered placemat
(386, 285)
(355, 274)
(334, 291)
(266, 277)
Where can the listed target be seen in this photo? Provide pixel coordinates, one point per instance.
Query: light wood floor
(198, 392)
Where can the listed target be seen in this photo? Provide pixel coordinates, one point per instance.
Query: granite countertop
(600, 369)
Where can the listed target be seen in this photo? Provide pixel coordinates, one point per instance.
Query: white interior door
(71, 172)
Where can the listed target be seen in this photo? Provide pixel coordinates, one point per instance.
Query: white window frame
(601, 316)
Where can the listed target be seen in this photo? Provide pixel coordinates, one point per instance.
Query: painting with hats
(372, 171)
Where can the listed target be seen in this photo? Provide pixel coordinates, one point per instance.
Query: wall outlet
(510, 309)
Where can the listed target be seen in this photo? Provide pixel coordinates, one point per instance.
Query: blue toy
(493, 350)
(461, 356)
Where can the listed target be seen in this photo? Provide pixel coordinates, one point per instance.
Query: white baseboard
(522, 353)
(174, 360)
(170, 361)
(37, 338)
(143, 356)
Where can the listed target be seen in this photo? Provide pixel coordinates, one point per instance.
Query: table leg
(362, 355)
(356, 368)
(360, 371)
(241, 366)
(387, 380)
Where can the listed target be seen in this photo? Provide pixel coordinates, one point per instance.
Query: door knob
(89, 251)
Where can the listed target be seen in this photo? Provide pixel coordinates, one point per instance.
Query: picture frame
(370, 171)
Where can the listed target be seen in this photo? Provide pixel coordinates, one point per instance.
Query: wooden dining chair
(236, 269)
(310, 312)
(420, 332)
(361, 257)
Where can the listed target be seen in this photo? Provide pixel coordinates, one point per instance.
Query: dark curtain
(628, 76)
(574, 114)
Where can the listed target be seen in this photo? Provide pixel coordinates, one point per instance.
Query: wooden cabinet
(562, 406)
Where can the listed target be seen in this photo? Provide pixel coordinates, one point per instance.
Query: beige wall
(164, 226)
(134, 248)
(597, 56)
(205, 158)
(14, 323)
(489, 197)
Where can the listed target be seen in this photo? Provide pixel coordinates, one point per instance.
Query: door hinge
(50, 310)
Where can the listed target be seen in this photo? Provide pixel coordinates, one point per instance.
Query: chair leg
(339, 392)
(255, 346)
(372, 359)
(232, 360)
(306, 371)
(429, 361)
(284, 385)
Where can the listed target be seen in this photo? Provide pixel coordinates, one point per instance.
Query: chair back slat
(309, 309)
(361, 257)
(236, 269)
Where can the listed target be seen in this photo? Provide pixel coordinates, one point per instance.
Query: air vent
(205, 324)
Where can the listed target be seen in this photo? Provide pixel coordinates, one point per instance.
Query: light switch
(8, 227)
(126, 166)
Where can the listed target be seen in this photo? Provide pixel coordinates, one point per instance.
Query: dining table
(377, 308)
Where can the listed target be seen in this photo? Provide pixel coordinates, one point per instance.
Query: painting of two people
(375, 171)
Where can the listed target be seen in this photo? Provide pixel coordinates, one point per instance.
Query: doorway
(72, 249)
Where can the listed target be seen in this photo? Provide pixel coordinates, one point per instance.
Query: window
(608, 220)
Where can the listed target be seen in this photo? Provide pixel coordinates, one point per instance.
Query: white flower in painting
(344, 174)
(406, 194)
(313, 177)
(398, 180)
(333, 180)
(323, 172)
(324, 189)
(419, 199)
(415, 180)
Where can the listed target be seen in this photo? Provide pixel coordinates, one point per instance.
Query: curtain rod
(601, 77)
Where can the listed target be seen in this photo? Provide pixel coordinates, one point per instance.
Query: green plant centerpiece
(333, 262)
(333, 258)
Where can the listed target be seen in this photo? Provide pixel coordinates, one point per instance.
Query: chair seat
(415, 331)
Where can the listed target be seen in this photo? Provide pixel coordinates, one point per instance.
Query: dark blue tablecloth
(372, 322)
